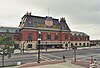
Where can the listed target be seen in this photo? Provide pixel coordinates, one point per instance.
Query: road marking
(52, 55)
(45, 58)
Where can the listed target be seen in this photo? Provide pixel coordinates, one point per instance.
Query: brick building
(55, 33)
(79, 39)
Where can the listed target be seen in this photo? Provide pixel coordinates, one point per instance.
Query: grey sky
(81, 15)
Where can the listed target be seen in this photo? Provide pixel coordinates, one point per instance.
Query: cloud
(80, 14)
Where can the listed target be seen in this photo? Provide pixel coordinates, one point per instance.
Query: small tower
(63, 24)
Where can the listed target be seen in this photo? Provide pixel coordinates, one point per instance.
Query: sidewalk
(51, 64)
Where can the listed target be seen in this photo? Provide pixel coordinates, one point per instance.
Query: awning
(51, 43)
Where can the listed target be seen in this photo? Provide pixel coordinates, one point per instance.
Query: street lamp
(46, 46)
(39, 40)
(23, 47)
(74, 48)
(2, 53)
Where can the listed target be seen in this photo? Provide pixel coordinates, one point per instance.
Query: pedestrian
(64, 58)
(92, 60)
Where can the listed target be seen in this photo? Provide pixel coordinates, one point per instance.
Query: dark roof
(78, 33)
(29, 20)
(38, 17)
(9, 29)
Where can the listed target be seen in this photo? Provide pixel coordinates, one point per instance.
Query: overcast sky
(81, 15)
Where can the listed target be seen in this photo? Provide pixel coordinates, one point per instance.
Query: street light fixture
(39, 40)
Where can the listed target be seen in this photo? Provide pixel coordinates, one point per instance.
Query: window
(87, 44)
(29, 45)
(75, 34)
(72, 44)
(17, 31)
(66, 37)
(80, 44)
(76, 44)
(48, 37)
(7, 31)
(83, 44)
(30, 36)
(56, 37)
(16, 46)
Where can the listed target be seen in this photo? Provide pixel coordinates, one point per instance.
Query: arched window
(48, 37)
(30, 36)
(83, 44)
(80, 44)
(75, 44)
(56, 37)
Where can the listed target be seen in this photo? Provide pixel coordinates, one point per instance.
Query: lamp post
(39, 41)
(74, 48)
(23, 47)
(2, 54)
(46, 46)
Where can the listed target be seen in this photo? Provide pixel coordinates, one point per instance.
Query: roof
(78, 33)
(9, 29)
(29, 20)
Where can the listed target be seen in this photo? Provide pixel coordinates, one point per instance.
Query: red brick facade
(62, 36)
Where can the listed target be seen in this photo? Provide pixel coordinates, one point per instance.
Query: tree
(7, 46)
(66, 45)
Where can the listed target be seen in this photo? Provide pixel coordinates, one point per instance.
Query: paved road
(25, 58)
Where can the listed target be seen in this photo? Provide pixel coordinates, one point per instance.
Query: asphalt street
(32, 57)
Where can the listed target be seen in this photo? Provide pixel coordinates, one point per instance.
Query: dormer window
(7, 31)
(17, 31)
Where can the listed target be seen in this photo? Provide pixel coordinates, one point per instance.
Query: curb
(41, 52)
(33, 64)
(81, 63)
